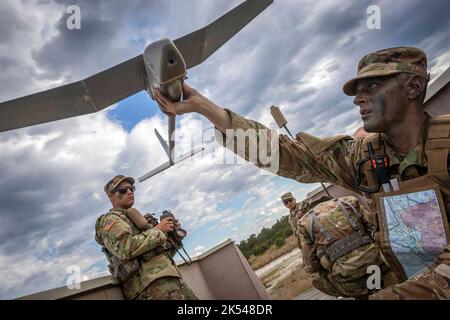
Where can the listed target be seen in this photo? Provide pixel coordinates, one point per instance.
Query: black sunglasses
(287, 201)
(124, 190)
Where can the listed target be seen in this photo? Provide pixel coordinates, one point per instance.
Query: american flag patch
(109, 225)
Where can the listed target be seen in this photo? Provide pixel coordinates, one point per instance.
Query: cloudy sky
(297, 54)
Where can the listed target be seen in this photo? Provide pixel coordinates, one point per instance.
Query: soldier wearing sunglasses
(137, 252)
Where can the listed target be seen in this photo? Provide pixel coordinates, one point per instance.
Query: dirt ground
(281, 271)
(297, 282)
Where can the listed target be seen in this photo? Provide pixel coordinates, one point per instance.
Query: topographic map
(416, 230)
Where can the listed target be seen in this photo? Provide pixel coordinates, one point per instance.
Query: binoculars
(177, 234)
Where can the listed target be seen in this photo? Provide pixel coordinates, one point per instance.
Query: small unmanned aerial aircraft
(163, 65)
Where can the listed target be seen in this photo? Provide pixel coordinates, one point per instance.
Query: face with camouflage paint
(383, 102)
(119, 200)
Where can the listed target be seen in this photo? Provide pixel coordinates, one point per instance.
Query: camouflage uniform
(300, 210)
(157, 270)
(294, 214)
(328, 225)
(309, 159)
(167, 289)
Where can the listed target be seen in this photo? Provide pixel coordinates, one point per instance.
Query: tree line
(266, 238)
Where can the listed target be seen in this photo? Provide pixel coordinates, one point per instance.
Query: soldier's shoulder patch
(109, 225)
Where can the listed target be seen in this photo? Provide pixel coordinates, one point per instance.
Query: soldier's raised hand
(191, 100)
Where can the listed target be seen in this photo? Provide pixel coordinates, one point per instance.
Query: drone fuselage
(165, 69)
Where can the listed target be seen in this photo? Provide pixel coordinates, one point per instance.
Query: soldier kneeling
(337, 245)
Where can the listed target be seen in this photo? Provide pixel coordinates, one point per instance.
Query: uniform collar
(117, 210)
(415, 157)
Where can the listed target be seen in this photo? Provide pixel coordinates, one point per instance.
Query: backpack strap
(355, 223)
(344, 246)
(352, 241)
(314, 220)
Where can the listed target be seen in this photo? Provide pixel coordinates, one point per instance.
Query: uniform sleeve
(118, 239)
(309, 251)
(306, 159)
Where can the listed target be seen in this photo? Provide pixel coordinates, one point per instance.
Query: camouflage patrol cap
(114, 182)
(387, 62)
(286, 196)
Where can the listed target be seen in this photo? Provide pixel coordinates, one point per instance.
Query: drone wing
(86, 96)
(155, 171)
(168, 164)
(119, 82)
(197, 46)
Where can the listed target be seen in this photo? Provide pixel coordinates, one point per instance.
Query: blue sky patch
(133, 110)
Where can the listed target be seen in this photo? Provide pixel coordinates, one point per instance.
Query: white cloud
(198, 251)
(441, 64)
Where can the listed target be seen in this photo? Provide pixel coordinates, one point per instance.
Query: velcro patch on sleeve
(109, 225)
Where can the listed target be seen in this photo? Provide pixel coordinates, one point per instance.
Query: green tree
(267, 237)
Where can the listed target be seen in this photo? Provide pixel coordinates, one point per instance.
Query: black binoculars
(178, 234)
